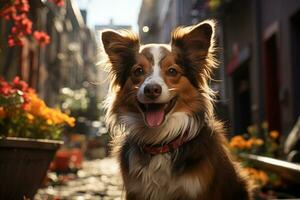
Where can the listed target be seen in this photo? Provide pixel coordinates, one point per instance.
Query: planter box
(287, 170)
(23, 166)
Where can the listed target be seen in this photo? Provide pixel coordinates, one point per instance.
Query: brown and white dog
(160, 107)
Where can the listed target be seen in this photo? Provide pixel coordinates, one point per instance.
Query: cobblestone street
(98, 179)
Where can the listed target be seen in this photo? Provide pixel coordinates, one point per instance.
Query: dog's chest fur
(156, 181)
(185, 173)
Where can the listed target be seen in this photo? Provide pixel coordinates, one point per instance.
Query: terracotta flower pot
(23, 166)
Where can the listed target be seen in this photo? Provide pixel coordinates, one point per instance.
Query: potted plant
(29, 137)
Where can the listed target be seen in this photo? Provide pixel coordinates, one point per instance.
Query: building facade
(68, 61)
(262, 68)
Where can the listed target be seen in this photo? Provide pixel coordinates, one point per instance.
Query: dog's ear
(121, 48)
(194, 38)
(194, 50)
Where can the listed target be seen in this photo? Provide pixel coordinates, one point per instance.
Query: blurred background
(257, 81)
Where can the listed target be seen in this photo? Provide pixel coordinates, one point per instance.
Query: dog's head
(160, 89)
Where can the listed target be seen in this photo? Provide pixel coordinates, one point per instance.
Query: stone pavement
(97, 180)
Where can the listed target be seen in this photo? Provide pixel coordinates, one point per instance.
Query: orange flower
(263, 177)
(258, 176)
(259, 142)
(274, 134)
(237, 142)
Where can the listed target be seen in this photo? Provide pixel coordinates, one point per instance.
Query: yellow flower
(52, 116)
(70, 121)
(49, 122)
(30, 117)
(2, 112)
(274, 134)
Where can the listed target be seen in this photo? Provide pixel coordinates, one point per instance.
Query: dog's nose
(152, 91)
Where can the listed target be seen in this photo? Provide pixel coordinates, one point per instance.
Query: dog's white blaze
(155, 78)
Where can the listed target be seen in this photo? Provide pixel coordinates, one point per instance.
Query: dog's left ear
(195, 40)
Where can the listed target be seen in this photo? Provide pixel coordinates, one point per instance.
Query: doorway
(295, 50)
(242, 99)
(271, 77)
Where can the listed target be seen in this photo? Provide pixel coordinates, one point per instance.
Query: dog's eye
(138, 71)
(172, 71)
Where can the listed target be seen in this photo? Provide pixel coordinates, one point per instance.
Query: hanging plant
(17, 11)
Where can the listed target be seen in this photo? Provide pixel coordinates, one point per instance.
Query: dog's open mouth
(154, 113)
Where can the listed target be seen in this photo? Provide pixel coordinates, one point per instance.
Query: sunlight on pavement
(98, 179)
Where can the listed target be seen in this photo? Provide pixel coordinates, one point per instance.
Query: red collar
(170, 147)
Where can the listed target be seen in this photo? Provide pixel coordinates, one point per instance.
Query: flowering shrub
(17, 12)
(250, 143)
(24, 114)
(240, 143)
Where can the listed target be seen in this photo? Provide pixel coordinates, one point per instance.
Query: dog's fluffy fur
(201, 168)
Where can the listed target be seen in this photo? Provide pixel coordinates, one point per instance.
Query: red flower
(16, 87)
(8, 12)
(22, 27)
(59, 3)
(42, 37)
(5, 88)
(19, 84)
(22, 6)
(25, 105)
(15, 41)
(17, 12)
(22, 24)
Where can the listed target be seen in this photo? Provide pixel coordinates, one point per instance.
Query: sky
(122, 12)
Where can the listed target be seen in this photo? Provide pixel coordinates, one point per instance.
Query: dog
(160, 110)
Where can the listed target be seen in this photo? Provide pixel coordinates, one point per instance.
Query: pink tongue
(154, 117)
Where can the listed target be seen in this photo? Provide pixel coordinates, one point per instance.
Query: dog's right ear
(198, 38)
(121, 48)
